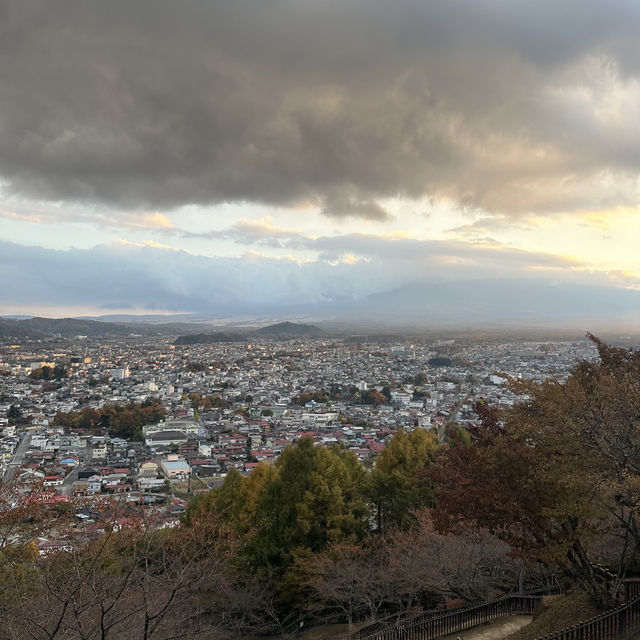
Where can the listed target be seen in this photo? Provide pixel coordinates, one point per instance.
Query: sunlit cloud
(123, 242)
(51, 215)
(152, 220)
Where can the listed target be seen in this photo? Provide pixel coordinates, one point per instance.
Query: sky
(321, 156)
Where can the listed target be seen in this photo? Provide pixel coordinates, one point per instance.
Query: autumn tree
(558, 474)
(124, 421)
(319, 396)
(423, 566)
(23, 513)
(372, 397)
(135, 581)
(407, 570)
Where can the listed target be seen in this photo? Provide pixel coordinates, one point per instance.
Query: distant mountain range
(495, 304)
(41, 328)
(282, 330)
(191, 333)
(64, 327)
(210, 338)
(500, 303)
(291, 329)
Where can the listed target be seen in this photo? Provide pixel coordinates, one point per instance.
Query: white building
(187, 427)
(119, 374)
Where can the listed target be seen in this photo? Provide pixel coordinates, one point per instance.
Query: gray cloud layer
(158, 103)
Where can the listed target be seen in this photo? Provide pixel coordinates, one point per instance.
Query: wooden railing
(435, 624)
(631, 589)
(618, 624)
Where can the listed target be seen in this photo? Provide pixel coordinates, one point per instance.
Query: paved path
(501, 628)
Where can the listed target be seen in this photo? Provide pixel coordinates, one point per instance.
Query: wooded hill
(42, 328)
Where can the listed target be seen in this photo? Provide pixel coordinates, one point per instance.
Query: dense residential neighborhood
(232, 405)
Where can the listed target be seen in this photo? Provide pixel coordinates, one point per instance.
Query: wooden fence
(434, 625)
(465, 617)
(631, 589)
(618, 624)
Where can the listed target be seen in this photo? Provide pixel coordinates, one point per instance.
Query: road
(442, 432)
(67, 486)
(18, 457)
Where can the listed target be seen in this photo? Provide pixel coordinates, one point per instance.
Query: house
(99, 449)
(39, 441)
(87, 472)
(29, 475)
(113, 479)
(47, 547)
(53, 481)
(148, 469)
(94, 485)
(80, 487)
(204, 449)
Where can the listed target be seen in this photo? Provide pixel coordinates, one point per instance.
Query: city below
(154, 421)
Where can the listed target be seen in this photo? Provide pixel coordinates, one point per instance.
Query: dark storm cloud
(157, 103)
(347, 206)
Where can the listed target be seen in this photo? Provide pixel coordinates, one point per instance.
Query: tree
(15, 415)
(124, 421)
(397, 484)
(42, 373)
(347, 578)
(315, 499)
(422, 565)
(22, 513)
(312, 497)
(319, 396)
(403, 570)
(440, 361)
(371, 396)
(60, 371)
(420, 379)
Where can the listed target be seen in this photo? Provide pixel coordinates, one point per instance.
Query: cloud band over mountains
(404, 278)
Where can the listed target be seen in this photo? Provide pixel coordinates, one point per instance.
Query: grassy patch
(180, 488)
